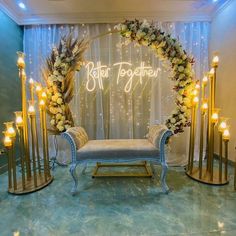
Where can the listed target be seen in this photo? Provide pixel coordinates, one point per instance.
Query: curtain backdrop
(111, 112)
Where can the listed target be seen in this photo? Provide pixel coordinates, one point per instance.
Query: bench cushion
(115, 149)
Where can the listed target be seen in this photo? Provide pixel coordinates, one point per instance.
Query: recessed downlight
(22, 5)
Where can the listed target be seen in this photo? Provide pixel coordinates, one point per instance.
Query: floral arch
(67, 58)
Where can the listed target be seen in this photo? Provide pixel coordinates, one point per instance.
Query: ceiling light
(21, 5)
(215, 0)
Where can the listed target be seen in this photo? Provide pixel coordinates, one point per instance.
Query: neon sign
(96, 74)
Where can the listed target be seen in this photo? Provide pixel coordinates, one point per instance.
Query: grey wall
(11, 41)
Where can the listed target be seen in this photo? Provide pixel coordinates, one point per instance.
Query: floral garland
(170, 50)
(58, 74)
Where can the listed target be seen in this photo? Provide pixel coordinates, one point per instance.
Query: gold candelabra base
(29, 185)
(206, 177)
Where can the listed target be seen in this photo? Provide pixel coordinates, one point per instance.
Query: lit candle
(195, 92)
(31, 109)
(43, 95)
(31, 82)
(197, 86)
(20, 60)
(223, 125)
(212, 72)
(204, 106)
(39, 90)
(195, 100)
(41, 103)
(19, 119)
(226, 135)
(215, 60)
(7, 142)
(204, 80)
(10, 130)
(215, 116)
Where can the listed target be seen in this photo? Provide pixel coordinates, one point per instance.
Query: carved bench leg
(164, 186)
(75, 178)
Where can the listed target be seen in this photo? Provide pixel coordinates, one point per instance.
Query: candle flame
(226, 134)
(31, 81)
(31, 109)
(7, 141)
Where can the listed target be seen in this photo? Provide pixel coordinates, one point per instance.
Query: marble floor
(120, 207)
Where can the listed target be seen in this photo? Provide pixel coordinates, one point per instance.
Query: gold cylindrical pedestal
(29, 185)
(207, 177)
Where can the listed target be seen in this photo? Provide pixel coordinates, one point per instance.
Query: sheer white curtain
(111, 112)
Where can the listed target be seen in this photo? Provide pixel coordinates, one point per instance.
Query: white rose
(60, 123)
(59, 110)
(59, 101)
(63, 118)
(172, 120)
(183, 108)
(60, 78)
(180, 68)
(52, 122)
(60, 127)
(127, 34)
(54, 98)
(67, 126)
(179, 98)
(123, 27)
(58, 116)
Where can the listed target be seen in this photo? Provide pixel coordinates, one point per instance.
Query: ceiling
(101, 11)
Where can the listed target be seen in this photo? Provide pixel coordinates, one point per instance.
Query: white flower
(60, 123)
(52, 122)
(58, 94)
(160, 51)
(140, 34)
(57, 62)
(63, 118)
(173, 120)
(60, 78)
(64, 72)
(179, 98)
(153, 36)
(60, 127)
(58, 116)
(181, 116)
(55, 72)
(67, 126)
(123, 27)
(52, 110)
(144, 43)
(183, 108)
(180, 68)
(127, 34)
(59, 101)
(54, 98)
(62, 55)
(145, 24)
(118, 27)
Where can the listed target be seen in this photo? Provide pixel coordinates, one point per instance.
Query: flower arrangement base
(29, 185)
(206, 177)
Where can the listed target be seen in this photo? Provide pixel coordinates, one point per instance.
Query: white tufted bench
(151, 149)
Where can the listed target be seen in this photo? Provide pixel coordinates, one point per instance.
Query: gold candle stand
(33, 177)
(209, 173)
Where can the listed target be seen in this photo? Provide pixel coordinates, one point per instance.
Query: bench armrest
(77, 138)
(158, 135)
